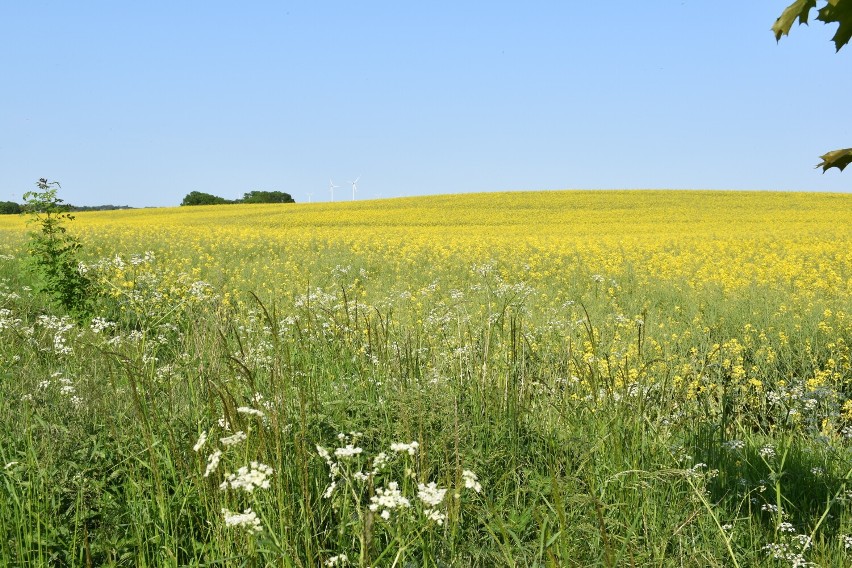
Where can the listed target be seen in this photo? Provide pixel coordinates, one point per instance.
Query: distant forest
(12, 208)
(201, 198)
(193, 198)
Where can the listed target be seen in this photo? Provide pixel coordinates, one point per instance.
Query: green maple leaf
(836, 159)
(840, 12)
(797, 10)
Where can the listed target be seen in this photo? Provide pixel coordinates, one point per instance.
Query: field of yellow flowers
(566, 378)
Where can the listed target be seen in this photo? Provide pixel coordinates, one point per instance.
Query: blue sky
(141, 103)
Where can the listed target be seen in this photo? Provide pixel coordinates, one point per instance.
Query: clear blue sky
(140, 103)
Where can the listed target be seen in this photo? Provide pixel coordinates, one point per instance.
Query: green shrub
(53, 253)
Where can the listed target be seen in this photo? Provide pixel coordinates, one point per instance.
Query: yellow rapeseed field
(716, 320)
(797, 242)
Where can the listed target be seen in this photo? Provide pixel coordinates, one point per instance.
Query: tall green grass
(580, 463)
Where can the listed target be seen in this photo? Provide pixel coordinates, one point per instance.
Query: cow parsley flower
(388, 499)
(338, 560)
(202, 439)
(235, 438)
(246, 520)
(410, 448)
(348, 451)
(250, 411)
(471, 481)
(212, 462)
(431, 494)
(435, 515)
(248, 478)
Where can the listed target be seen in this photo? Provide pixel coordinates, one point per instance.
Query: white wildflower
(246, 520)
(202, 439)
(248, 478)
(250, 411)
(435, 515)
(379, 462)
(323, 453)
(767, 452)
(236, 438)
(99, 325)
(212, 462)
(338, 560)
(471, 481)
(431, 494)
(410, 448)
(388, 499)
(348, 451)
(329, 490)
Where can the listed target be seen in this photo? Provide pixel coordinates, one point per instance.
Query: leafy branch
(833, 12)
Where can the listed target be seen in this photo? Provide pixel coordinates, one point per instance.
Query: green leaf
(797, 10)
(836, 159)
(840, 12)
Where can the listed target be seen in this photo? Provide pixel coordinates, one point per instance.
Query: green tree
(9, 208)
(832, 11)
(54, 253)
(267, 197)
(200, 198)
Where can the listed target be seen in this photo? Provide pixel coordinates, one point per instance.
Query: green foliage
(9, 208)
(836, 159)
(833, 12)
(53, 253)
(201, 198)
(267, 197)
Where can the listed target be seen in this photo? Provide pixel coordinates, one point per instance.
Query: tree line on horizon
(13, 208)
(193, 198)
(201, 198)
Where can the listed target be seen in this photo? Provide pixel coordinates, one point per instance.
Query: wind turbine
(331, 187)
(354, 187)
(310, 197)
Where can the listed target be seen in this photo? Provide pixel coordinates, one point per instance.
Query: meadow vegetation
(523, 379)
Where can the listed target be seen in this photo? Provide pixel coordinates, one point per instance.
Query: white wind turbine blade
(354, 187)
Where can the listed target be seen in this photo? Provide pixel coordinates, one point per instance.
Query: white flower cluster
(234, 439)
(248, 478)
(100, 325)
(471, 481)
(410, 448)
(7, 321)
(246, 520)
(734, 445)
(250, 411)
(388, 499)
(347, 451)
(783, 552)
(212, 462)
(435, 515)
(431, 494)
(767, 452)
(339, 560)
(333, 471)
(202, 439)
